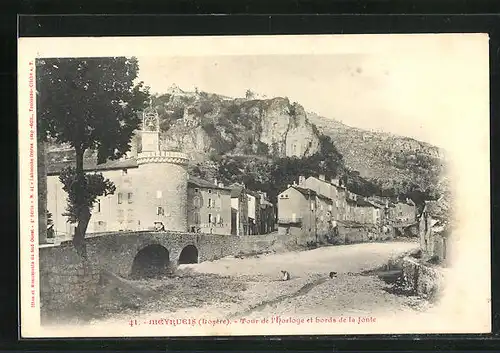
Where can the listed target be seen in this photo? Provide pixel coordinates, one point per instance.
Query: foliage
(89, 104)
(93, 185)
(50, 221)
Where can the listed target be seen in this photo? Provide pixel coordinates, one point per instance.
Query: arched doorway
(189, 255)
(151, 261)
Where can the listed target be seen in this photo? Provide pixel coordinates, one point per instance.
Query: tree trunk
(83, 216)
(80, 230)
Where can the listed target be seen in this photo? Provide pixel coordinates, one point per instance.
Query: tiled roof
(253, 193)
(362, 203)
(54, 168)
(236, 190)
(323, 197)
(204, 183)
(304, 191)
(376, 204)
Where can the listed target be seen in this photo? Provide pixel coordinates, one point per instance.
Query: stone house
(332, 189)
(324, 216)
(239, 210)
(364, 211)
(434, 230)
(209, 207)
(405, 211)
(267, 216)
(254, 212)
(297, 212)
(379, 212)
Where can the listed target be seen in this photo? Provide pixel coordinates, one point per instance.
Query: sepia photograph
(265, 185)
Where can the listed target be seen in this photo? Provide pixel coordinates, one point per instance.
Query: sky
(410, 93)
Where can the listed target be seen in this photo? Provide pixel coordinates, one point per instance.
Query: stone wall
(65, 281)
(423, 279)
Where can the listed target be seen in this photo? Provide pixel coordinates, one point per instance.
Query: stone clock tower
(162, 180)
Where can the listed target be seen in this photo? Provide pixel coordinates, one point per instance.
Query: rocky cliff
(203, 124)
(386, 158)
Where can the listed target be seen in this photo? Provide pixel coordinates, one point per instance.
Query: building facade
(297, 212)
(331, 189)
(239, 210)
(267, 217)
(209, 207)
(405, 211)
(434, 232)
(151, 189)
(254, 212)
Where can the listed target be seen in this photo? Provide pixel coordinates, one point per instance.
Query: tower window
(98, 206)
(120, 198)
(159, 211)
(196, 190)
(210, 218)
(129, 197)
(124, 171)
(209, 191)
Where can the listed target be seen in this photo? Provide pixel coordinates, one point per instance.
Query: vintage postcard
(254, 185)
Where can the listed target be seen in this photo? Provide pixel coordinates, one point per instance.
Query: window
(210, 218)
(210, 204)
(312, 206)
(98, 206)
(158, 194)
(196, 190)
(196, 202)
(196, 217)
(129, 197)
(120, 198)
(217, 219)
(159, 211)
(124, 171)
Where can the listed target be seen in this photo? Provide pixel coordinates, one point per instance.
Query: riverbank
(251, 287)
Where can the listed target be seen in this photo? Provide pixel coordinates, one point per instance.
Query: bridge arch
(188, 255)
(151, 261)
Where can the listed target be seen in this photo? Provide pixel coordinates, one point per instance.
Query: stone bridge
(135, 254)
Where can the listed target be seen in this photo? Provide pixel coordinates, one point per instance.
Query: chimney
(322, 177)
(335, 181)
(302, 179)
(221, 185)
(294, 183)
(215, 181)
